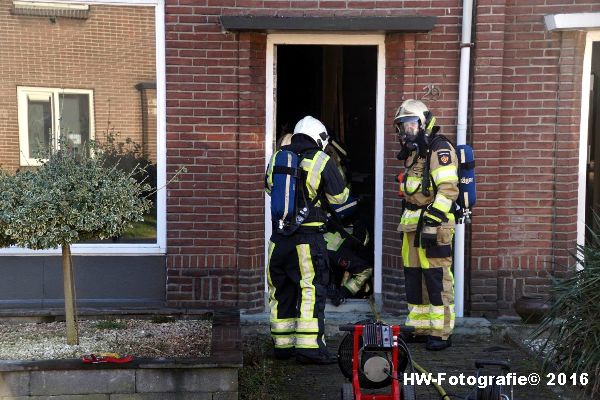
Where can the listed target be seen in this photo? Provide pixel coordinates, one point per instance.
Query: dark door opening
(337, 85)
(593, 162)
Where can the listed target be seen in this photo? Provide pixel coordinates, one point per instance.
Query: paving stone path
(324, 382)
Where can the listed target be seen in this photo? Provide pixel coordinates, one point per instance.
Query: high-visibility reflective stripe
(358, 280)
(442, 203)
(440, 324)
(313, 224)
(344, 207)
(338, 198)
(405, 251)
(420, 317)
(418, 323)
(283, 325)
(314, 168)
(419, 310)
(307, 275)
(283, 342)
(270, 171)
(434, 217)
(422, 258)
(439, 311)
(410, 217)
(308, 325)
(412, 183)
(443, 174)
(272, 300)
(307, 342)
(333, 240)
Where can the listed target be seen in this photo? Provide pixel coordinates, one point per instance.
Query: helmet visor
(407, 126)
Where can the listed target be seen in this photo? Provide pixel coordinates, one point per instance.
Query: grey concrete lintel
(404, 23)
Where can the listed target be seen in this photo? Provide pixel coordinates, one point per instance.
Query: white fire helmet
(411, 110)
(313, 128)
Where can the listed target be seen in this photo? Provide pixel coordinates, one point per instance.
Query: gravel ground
(139, 338)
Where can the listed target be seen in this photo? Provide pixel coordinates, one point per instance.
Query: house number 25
(432, 92)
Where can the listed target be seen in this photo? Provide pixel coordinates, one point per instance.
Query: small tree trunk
(72, 335)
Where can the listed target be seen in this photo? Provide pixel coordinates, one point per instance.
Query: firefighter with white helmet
(298, 269)
(430, 187)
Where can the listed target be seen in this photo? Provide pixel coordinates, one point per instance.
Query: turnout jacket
(443, 187)
(322, 176)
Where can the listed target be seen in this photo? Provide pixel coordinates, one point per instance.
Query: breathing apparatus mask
(410, 136)
(413, 136)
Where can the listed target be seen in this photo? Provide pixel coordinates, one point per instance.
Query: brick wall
(525, 125)
(110, 52)
(524, 107)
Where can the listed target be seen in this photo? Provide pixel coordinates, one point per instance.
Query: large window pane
(75, 118)
(90, 97)
(39, 120)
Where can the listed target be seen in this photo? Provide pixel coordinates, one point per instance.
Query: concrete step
(354, 311)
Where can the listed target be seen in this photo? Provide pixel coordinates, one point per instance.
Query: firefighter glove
(340, 296)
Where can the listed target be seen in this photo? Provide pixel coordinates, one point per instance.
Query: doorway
(592, 192)
(339, 80)
(337, 85)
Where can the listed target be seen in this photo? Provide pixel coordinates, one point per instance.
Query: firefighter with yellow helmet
(430, 187)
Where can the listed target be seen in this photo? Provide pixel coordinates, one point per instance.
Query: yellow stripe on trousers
(307, 297)
(272, 300)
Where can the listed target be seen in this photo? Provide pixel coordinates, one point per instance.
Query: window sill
(128, 249)
(50, 9)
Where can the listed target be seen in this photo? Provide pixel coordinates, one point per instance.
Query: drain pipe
(461, 138)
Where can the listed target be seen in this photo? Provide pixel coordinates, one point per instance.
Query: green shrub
(570, 332)
(70, 198)
(73, 196)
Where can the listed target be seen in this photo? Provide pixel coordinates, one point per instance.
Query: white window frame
(132, 249)
(23, 95)
(341, 39)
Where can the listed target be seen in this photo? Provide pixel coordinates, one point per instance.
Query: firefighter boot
(435, 343)
(410, 337)
(321, 357)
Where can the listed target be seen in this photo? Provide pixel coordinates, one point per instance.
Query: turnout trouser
(297, 275)
(429, 284)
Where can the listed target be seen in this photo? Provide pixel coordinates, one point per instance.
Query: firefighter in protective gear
(344, 247)
(298, 269)
(430, 187)
(347, 240)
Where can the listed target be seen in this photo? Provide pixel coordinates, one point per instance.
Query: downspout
(461, 138)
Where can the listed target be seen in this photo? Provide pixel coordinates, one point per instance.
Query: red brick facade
(109, 52)
(524, 126)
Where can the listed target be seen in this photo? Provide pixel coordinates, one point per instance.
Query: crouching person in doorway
(298, 269)
(430, 187)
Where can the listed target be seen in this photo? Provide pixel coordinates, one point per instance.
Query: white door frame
(591, 37)
(340, 39)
